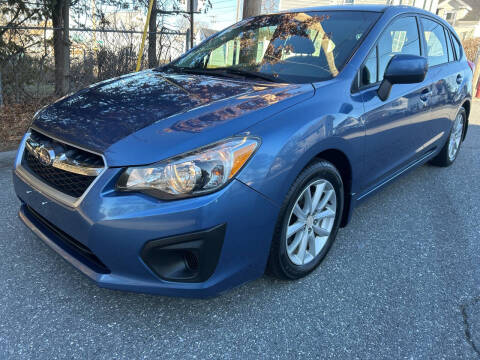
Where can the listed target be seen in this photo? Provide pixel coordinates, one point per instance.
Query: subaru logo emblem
(45, 155)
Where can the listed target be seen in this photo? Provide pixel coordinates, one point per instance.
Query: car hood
(148, 116)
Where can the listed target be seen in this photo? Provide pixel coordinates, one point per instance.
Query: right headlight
(198, 172)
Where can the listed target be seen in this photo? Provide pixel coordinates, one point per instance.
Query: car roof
(392, 9)
(370, 7)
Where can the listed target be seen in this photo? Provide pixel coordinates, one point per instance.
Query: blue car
(246, 154)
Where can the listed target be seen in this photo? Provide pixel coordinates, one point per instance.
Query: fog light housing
(185, 258)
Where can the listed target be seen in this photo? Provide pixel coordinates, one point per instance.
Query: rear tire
(449, 152)
(308, 222)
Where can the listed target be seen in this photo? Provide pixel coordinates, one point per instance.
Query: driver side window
(400, 37)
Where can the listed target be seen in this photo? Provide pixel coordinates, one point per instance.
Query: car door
(443, 79)
(463, 74)
(391, 125)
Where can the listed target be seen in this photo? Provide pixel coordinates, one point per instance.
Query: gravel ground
(401, 282)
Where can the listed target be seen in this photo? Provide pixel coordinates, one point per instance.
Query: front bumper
(115, 228)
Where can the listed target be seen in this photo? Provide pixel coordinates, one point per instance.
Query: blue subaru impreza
(247, 153)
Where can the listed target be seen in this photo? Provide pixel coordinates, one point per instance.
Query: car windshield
(299, 47)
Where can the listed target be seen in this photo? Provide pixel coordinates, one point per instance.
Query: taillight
(472, 66)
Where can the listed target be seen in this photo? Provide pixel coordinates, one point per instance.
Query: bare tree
(60, 13)
(152, 37)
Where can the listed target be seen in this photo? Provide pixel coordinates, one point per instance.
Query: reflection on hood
(105, 113)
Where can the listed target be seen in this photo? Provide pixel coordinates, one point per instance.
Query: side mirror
(402, 69)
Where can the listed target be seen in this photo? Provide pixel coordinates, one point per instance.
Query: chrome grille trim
(67, 160)
(44, 188)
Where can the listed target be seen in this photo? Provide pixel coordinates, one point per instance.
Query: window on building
(450, 16)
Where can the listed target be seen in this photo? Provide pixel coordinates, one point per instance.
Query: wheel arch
(467, 105)
(340, 160)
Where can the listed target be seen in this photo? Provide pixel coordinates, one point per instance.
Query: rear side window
(437, 52)
(400, 37)
(458, 47)
(451, 55)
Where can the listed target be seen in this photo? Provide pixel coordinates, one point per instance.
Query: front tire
(308, 222)
(449, 152)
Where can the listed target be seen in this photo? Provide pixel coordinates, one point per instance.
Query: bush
(15, 120)
(471, 48)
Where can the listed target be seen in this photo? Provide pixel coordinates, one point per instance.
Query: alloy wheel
(311, 222)
(455, 137)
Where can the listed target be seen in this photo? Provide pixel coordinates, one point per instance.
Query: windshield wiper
(183, 69)
(197, 70)
(224, 71)
(251, 74)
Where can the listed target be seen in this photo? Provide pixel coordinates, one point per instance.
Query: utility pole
(476, 74)
(191, 10)
(251, 8)
(237, 18)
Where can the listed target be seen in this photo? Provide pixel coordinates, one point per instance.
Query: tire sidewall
(321, 170)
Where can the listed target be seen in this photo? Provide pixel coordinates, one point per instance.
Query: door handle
(459, 79)
(425, 95)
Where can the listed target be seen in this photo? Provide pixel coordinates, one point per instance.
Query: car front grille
(64, 181)
(68, 181)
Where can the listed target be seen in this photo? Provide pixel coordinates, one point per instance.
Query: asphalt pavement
(402, 281)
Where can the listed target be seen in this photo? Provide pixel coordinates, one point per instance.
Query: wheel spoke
(326, 198)
(324, 214)
(299, 212)
(296, 241)
(294, 228)
(307, 208)
(303, 247)
(312, 245)
(320, 231)
(318, 194)
(320, 243)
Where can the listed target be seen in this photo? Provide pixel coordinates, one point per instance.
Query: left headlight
(198, 172)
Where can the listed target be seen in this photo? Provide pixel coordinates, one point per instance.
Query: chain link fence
(103, 42)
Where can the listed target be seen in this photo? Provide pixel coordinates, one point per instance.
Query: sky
(222, 14)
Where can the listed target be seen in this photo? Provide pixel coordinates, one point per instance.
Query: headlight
(201, 171)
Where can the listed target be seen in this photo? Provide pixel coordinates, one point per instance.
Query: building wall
(467, 29)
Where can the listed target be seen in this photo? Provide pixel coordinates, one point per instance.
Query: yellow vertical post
(145, 29)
